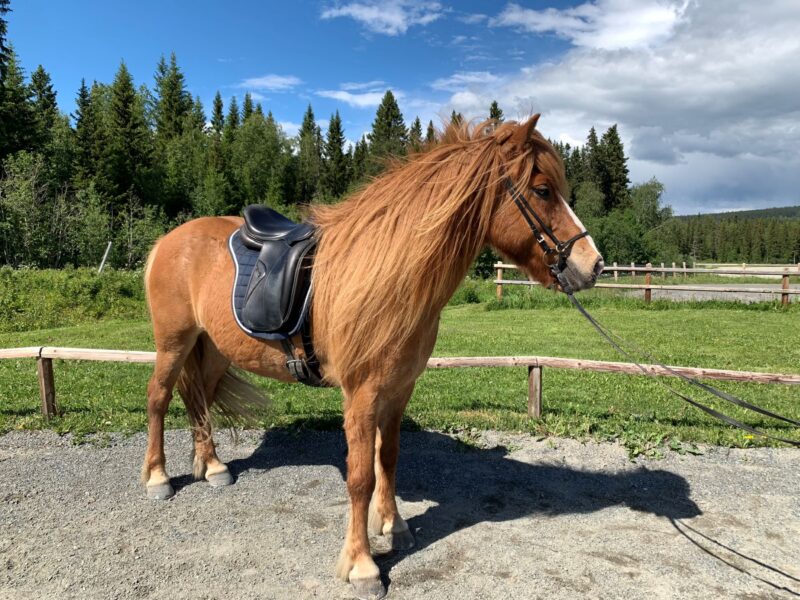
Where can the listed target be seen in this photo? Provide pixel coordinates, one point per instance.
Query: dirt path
(512, 518)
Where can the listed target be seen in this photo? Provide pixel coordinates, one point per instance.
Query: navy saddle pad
(272, 287)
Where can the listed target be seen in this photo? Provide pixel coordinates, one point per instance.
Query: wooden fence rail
(44, 356)
(784, 291)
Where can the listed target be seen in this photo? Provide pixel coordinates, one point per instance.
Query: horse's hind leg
(384, 518)
(169, 363)
(205, 462)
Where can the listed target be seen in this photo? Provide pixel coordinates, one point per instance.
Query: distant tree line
(730, 239)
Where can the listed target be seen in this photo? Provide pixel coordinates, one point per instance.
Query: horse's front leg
(355, 561)
(384, 518)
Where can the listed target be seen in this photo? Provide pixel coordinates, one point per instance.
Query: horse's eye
(542, 191)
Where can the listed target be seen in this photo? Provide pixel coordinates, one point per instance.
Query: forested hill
(754, 236)
(784, 212)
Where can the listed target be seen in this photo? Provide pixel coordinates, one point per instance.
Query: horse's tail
(235, 401)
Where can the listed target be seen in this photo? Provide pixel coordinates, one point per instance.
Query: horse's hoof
(160, 491)
(401, 540)
(220, 479)
(368, 589)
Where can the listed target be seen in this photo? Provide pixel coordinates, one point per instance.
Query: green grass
(97, 397)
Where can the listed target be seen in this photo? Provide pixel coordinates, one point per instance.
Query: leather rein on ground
(562, 251)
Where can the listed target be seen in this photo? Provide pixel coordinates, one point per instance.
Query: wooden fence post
(534, 392)
(633, 267)
(616, 273)
(684, 269)
(47, 387)
(663, 273)
(785, 286)
(648, 278)
(674, 274)
(499, 285)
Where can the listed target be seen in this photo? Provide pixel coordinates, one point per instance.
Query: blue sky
(704, 91)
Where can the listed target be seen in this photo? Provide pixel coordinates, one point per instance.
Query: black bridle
(539, 229)
(562, 251)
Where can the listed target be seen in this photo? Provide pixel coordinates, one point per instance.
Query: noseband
(561, 249)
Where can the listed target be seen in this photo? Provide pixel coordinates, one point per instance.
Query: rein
(563, 249)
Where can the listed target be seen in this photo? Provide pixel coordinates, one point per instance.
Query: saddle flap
(279, 285)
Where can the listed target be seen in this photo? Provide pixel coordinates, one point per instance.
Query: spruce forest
(134, 160)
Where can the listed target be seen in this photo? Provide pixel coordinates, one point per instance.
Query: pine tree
(430, 134)
(259, 109)
(360, 159)
(415, 136)
(127, 144)
(217, 115)
(335, 176)
(496, 113)
(231, 122)
(86, 130)
(456, 118)
(4, 49)
(45, 108)
(247, 107)
(309, 157)
(591, 157)
(17, 117)
(172, 100)
(388, 136)
(613, 170)
(197, 115)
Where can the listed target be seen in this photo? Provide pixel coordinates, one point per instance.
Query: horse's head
(533, 224)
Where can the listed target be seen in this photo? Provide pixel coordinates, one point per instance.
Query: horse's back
(188, 263)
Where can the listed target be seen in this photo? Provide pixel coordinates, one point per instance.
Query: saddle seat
(262, 225)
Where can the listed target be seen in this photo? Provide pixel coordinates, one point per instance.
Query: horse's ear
(524, 132)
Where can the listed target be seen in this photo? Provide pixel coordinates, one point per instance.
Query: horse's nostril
(599, 266)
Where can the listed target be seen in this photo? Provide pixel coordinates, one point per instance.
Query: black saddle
(272, 288)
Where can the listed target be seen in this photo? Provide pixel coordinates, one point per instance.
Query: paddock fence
(45, 355)
(684, 272)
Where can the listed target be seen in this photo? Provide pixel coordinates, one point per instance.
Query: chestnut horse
(389, 258)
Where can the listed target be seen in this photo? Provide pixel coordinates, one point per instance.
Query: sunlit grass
(111, 397)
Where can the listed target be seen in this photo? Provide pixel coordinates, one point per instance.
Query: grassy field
(100, 397)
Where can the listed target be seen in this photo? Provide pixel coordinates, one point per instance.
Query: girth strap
(304, 370)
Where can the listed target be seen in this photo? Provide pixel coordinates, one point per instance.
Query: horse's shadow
(464, 485)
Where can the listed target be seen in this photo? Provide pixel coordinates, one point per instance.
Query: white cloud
(388, 17)
(289, 128)
(461, 80)
(273, 83)
(473, 18)
(606, 24)
(351, 86)
(711, 109)
(360, 100)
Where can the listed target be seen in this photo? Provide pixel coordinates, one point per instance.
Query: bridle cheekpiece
(540, 229)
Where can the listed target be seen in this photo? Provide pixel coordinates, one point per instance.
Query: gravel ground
(505, 516)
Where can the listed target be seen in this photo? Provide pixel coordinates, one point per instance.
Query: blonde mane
(391, 255)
